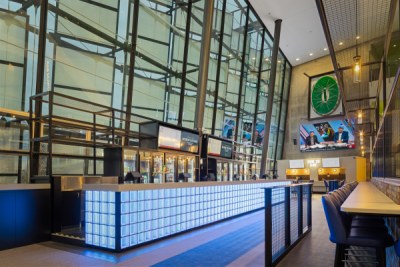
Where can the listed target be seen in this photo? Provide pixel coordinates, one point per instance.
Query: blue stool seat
(326, 185)
(343, 234)
(397, 247)
(368, 224)
(364, 237)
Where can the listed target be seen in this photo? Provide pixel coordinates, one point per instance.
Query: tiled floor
(237, 242)
(315, 249)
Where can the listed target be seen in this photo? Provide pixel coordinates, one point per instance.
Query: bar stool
(326, 186)
(344, 236)
(378, 224)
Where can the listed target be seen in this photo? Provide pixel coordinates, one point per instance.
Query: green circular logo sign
(325, 96)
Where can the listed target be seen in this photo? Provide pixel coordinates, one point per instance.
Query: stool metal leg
(339, 253)
(381, 256)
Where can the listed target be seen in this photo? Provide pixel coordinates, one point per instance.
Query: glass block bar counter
(121, 216)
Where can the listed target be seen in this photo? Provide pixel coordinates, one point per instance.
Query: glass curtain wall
(19, 38)
(250, 76)
(229, 80)
(89, 48)
(263, 92)
(216, 68)
(87, 56)
(283, 111)
(386, 143)
(276, 109)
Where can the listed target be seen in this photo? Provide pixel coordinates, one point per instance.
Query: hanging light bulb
(359, 117)
(357, 69)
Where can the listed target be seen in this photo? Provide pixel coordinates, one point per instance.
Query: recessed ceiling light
(254, 58)
(311, 54)
(279, 61)
(357, 37)
(325, 49)
(297, 59)
(341, 43)
(266, 59)
(394, 45)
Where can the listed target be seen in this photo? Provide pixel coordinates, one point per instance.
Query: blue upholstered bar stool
(344, 235)
(376, 223)
(326, 186)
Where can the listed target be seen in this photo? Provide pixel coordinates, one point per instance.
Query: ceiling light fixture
(297, 59)
(357, 37)
(325, 49)
(311, 54)
(341, 43)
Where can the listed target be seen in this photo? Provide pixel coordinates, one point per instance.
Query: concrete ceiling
(301, 32)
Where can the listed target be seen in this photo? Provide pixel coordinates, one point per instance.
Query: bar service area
(200, 133)
(322, 170)
(165, 154)
(162, 187)
(223, 160)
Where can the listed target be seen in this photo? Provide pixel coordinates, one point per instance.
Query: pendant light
(357, 58)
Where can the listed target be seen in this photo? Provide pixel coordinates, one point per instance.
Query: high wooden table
(367, 199)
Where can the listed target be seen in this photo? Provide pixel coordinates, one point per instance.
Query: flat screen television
(328, 135)
(171, 138)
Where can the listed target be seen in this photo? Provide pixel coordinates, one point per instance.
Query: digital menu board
(178, 140)
(214, 147)
(219, 148)
(189, 142)
(226, 150)
(169, 138)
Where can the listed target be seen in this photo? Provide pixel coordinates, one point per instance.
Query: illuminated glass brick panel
(152, 214)
(100, 221)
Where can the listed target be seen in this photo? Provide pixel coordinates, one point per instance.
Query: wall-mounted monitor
(226, 150)
(214, 147)
(189, 142)
(330, 163)
(219, 148)
(326, 136)
(168, 138)
(296, 164)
